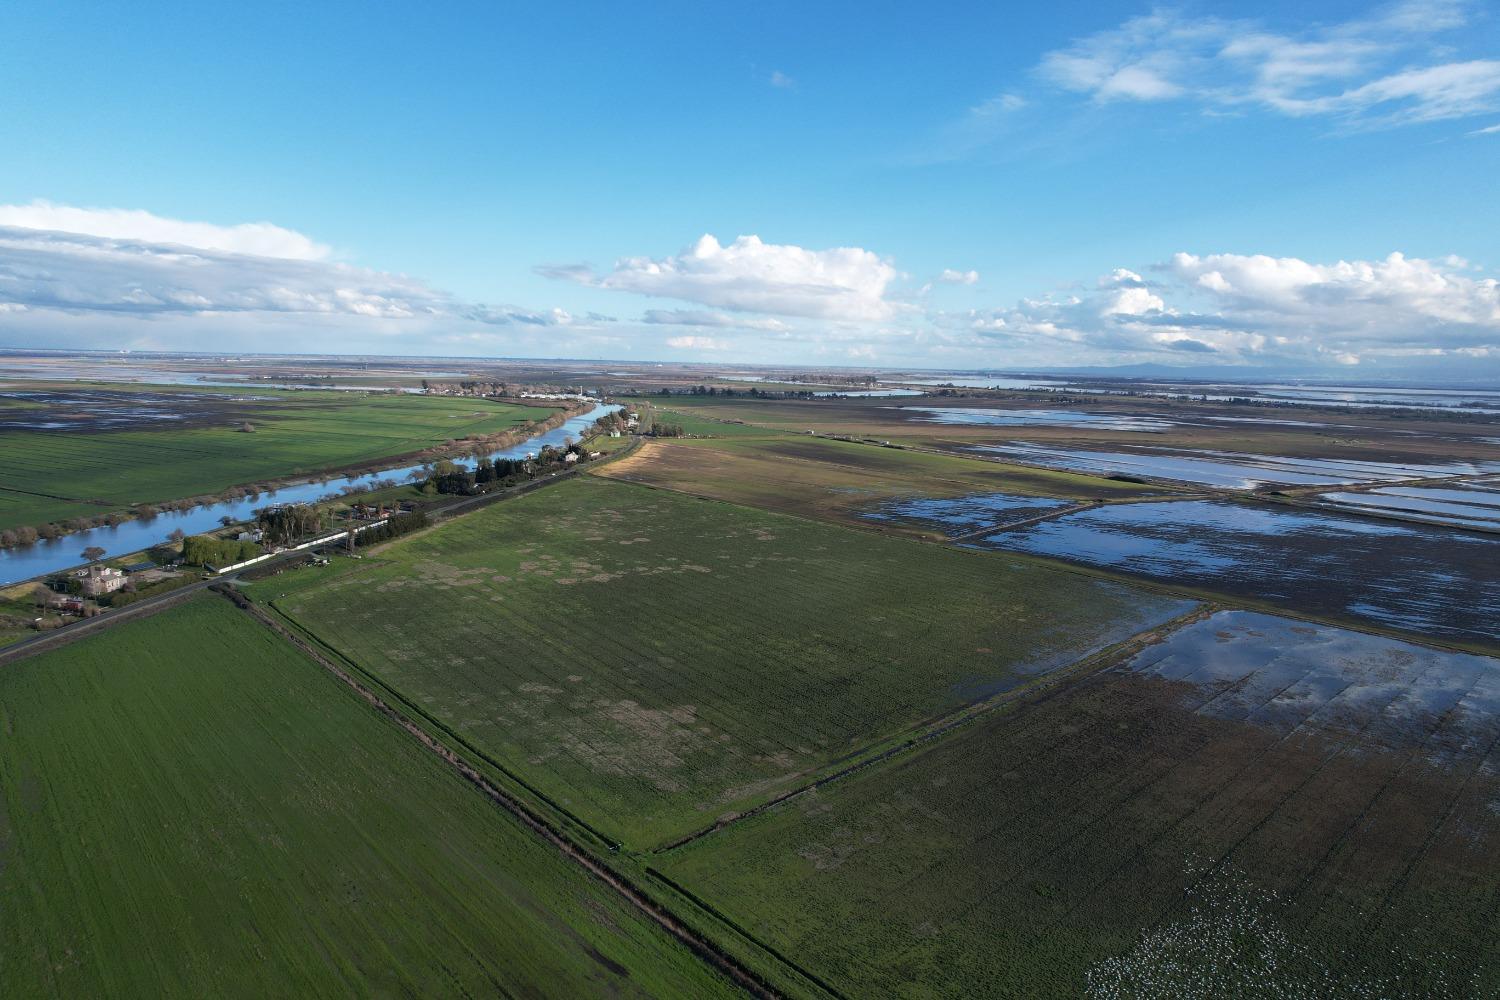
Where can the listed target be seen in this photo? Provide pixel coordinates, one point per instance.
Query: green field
(654, 662)
(53, 475)
(189, 807)
(1256, 807)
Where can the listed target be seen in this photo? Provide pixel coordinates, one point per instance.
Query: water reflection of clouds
(1315, 679)
(1405, 575)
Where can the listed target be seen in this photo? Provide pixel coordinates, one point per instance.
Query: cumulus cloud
(748, 275)
(1377, 71)
(260, 239)
(952, 277)
(1247, 307)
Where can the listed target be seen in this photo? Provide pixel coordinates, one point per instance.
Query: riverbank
(50, 556)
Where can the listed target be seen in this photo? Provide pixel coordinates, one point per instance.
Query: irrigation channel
(132, 536)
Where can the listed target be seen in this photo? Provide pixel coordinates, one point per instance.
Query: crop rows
(1015, 855)
(192, 808)
(658, 661)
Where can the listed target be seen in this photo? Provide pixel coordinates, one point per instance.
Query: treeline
(206, 550)
(28, 535)
(751, 393)
(395, 527)
(490, 474)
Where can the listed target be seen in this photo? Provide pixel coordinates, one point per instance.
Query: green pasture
(51, 476)
(189, 807)
(653, 662)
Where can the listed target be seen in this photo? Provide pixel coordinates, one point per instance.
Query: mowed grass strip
(655, 662)
(1257, 807)
(839, 480)
(292, 436)
(189, 807)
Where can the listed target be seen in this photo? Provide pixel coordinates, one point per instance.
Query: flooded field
(961, 515)
(1253, 807)
(1229, 470)
(1425, 580)
(1461, 504)
(976, 417)
(1294, 677)
(105, 410)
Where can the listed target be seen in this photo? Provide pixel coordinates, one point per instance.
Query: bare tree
(93, 553)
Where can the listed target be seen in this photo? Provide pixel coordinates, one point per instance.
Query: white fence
(335, 537)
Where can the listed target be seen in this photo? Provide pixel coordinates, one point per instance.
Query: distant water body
(132, 536)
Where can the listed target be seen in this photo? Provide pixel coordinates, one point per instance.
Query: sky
(1284, 186)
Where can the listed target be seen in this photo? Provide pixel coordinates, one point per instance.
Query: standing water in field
(1420, 579)
(1232, 470)
(961, 515)
(993, 417)
(132, 536)
(1294, 676)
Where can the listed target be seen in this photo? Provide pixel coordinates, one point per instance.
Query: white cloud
(1487, 130)
(781, 80)
(1247, 307)
(696, 344)
(130, 289)
(258, 238)
(1378, 71)
(57, 270)
(952, 277)
(748, 275)
(698, 317)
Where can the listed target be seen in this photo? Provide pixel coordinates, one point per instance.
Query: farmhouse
(101, 580)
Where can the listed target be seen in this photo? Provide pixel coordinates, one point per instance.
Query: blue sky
(961, 186)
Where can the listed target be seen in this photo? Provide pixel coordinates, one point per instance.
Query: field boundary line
(306, 635)
(734, 926)
(698, 944)
(939, 726)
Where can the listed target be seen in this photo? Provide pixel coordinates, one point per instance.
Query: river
(28, 561)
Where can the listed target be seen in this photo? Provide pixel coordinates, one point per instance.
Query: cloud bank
(1260, 308)
(749, 300)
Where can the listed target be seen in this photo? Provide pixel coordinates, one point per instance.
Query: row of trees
(394, 527)
(451, 478)
(206, 550)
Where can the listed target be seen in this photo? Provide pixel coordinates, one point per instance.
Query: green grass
(653, 661)
(188, 807)
(53, 475)
(1138, 833)
(701, 426)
